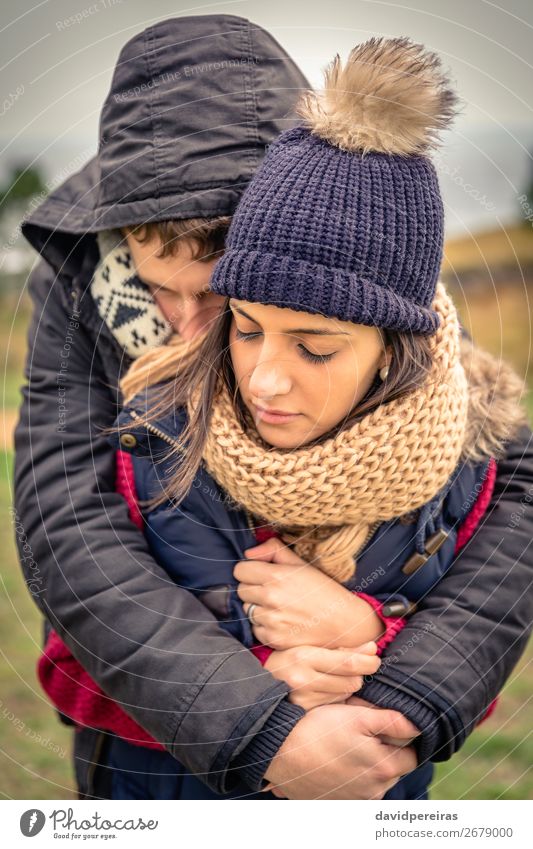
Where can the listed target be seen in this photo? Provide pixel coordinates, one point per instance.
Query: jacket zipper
(371, 531)
(155, 430)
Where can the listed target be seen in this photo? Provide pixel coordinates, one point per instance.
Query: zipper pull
(75, 300)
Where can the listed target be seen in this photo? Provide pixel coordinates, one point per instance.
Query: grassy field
(509, 248)
(35, 746)
(496, 761)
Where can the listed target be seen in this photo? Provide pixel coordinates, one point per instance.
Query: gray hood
(193, 104)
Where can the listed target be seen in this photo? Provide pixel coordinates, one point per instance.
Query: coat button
(128, 440)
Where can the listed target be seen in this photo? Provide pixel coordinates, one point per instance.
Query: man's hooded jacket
(193, 104)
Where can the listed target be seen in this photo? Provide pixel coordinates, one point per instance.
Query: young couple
(278, 564)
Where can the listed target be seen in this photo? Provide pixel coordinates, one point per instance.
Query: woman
(333, 404)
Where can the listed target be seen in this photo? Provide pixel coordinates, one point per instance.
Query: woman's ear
(386, 358)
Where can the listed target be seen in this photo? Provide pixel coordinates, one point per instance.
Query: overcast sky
(66, 71)
(56, 76)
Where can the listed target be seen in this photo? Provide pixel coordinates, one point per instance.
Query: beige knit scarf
(324, 498)
(166, 362)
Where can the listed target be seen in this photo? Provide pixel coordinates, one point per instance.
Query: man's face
(179, 284)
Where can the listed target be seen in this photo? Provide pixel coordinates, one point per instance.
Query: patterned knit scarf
(128, 308)
(324, 498)
(124, 302)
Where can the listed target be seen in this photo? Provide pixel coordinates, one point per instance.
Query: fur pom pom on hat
(391, 96)
(344, 217)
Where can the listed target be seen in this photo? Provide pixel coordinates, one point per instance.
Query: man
(193, 104)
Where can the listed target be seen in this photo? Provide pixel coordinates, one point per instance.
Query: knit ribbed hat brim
(296, 284)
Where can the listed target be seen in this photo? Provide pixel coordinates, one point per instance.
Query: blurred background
(55, 76)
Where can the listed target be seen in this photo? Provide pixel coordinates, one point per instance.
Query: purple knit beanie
(344, 217)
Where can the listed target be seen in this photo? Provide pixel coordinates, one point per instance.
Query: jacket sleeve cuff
(254, 760)
(424, 717)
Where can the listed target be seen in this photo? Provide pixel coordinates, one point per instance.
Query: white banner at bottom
(311, 824)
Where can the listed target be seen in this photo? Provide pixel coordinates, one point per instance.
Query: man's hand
(297, 604)
(319, 676)
(336, 752)
(386, 738)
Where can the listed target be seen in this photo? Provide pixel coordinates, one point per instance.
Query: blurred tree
(22, 184)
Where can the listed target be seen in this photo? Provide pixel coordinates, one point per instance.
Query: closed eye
(305, 352)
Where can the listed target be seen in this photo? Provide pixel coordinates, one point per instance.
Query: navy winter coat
(199, 542)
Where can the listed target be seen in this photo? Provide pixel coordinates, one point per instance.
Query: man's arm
(459, 648)
(149, 644)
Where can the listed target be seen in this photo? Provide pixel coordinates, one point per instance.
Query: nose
(189, 316)
(198, 317)
(269, 379)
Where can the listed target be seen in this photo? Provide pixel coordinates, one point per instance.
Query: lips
(274, 416)
(274, 412)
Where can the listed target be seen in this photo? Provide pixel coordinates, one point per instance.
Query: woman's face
(300, 374)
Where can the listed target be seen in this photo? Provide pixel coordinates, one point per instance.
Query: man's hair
(207, 235)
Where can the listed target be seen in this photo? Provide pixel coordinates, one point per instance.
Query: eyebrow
(153, 283)
(150, 282)
(304, 331)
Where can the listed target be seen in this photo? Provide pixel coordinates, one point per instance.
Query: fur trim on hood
(495, 413)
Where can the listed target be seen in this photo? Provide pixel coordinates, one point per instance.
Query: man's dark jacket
(193, 104)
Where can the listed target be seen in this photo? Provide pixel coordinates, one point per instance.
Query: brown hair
(206, 234)
(211, 368)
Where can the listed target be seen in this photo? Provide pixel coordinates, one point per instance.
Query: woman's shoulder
(496, 412)
(470, 480)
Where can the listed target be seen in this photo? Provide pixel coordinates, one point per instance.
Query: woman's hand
(297, 604)
(319, 676)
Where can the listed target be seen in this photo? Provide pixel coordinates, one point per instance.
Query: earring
(384, 372)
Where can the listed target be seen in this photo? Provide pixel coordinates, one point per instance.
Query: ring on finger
(250, 614)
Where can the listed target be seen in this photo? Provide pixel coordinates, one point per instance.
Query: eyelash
(308, 355)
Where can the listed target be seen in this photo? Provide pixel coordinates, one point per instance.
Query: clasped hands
(323, 635)
(323, 638)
